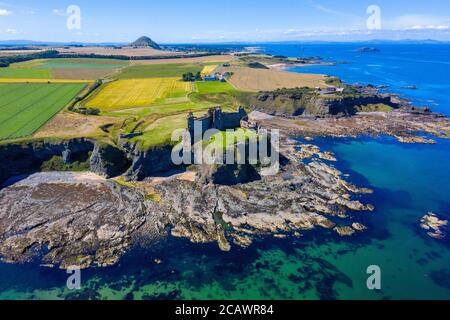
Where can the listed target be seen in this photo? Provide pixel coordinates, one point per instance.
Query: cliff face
(108, 161)
(310, 104)
(148, 162)
(19, 159)
(27, 158)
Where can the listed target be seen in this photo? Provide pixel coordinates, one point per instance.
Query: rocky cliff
(25, 158)
(304, 102)
(101, 158)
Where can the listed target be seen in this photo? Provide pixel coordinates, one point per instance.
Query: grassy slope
(159, 121)
(214, 87)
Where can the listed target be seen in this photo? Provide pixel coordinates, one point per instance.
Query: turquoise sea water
(408, 180)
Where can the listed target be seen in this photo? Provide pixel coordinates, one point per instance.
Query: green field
(213, 87)
(159, 71)
(78, 63)
(12, 73)
(24, 108)
(82, 63)
(82, 68)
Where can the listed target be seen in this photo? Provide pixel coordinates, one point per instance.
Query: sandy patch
(36, 179)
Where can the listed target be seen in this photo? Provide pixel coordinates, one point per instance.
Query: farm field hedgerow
(24, 108)
(123, 94)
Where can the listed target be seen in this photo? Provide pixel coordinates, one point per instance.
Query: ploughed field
(254, 80)
(24, 108)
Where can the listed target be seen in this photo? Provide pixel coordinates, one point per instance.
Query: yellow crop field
(207, 70)
(132, 93)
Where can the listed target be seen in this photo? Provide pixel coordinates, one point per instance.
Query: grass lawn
(159, 71)
(227, 139)
(24, 108)
(160, 131)
(204, 87)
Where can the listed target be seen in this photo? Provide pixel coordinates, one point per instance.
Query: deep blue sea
(408, 180)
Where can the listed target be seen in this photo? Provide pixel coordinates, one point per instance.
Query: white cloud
(12, 31)
(418, 22)
(4, 12)
(430, 27)
(60, 12)
(324, 9)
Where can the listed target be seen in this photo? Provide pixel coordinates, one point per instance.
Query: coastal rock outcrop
(68, 219)
(300, 197)
(84, 220)
(436, 228)
(148, 162)
(108, 160)
(303, 102)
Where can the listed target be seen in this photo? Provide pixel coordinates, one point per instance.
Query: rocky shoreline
(88, 219)
(404, 125)
(79, 219)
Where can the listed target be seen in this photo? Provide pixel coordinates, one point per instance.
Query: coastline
(311, 264)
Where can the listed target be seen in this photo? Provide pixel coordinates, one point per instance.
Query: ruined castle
(217, 119)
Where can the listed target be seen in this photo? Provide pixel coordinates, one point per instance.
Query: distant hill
(145, 42)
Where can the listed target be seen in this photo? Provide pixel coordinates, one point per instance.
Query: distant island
(368, 49)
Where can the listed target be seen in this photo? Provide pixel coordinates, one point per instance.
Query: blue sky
(220, 21)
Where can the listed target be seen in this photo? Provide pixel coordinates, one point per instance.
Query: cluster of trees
(88, 111)
(79, 98)
(6, 61)
(190, 77)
